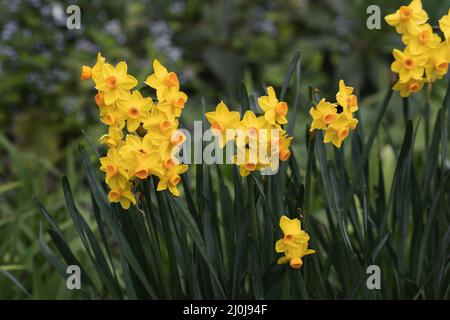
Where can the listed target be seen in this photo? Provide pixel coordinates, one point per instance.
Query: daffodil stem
(426, 115)
(363, 159)
(309, 164)
(406, 110)
(251, 209)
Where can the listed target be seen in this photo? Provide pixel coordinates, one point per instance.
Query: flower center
(296, 263)
(177, 138)
(405, 12)
(109, 119)
(178, 103)
(171, 80)
(217, 126)
(250, 166)
(112, 170)
(343, 134)
(288, 238)
(352, 101)
(99, 99)
(164, 125)
(285, 154)
(414, 87)
(281, 108)
(252, 133)
(86, 73)
(142, 151)
(133, 113)
(409, 63)
(329, 118)
(169, 164)
(115, 195)
(174, 179)
(424, 37)
(141, 174)
(112, 82)
(442, 66)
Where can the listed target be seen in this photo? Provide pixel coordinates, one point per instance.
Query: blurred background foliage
(212, 45)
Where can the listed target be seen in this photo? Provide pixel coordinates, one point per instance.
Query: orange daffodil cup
(141, 133)
(426, 55)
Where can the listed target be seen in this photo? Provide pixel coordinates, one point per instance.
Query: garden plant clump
(299, 194)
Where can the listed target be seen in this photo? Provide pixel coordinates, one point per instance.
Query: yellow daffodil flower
(248, 128)
(339, 129)
(112, 165)
(171, 179)
(171, 101)
(160, 124)
(408, 18)
(323, 114)
(141, 157)
(275, 111)
(221, 120)
(444, 24)
(294, 243)
(346, 99)
(423, 41)
(115, 83)
(113, 138)
(248, 161)
(437, 65)
(94, 73)
(136, 110)
(405, 89)
(161, 79)
(408, 66)
(124, 196)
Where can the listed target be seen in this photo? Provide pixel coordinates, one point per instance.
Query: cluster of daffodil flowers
(254, 130)
(294, 244)
(336, 119)
(142, 135)
(426, 57)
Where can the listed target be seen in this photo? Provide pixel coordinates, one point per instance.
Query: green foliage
(218, 241)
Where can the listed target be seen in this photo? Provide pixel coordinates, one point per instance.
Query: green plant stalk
(366, 152)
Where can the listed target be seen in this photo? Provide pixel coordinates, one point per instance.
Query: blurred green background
(212, 45)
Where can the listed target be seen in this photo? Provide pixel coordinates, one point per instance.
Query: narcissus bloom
(323, 114)
(136, 110)
(171, 179)
(221, 120)
(115, 83)
(249, 161)
(405, 89)
(112, 165)
(160, 124)
(340, 129)
(346, 99)
(437, 65)
(162, 79)
(249, 126)
(141, 157)
(275, 111)
(408, 18)
(294, 244)
(113, 138)
(444, 24)
(124, 196)
(408, 66)
(423, 41)
(94, 73)
(284, 142)
(171, 101)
